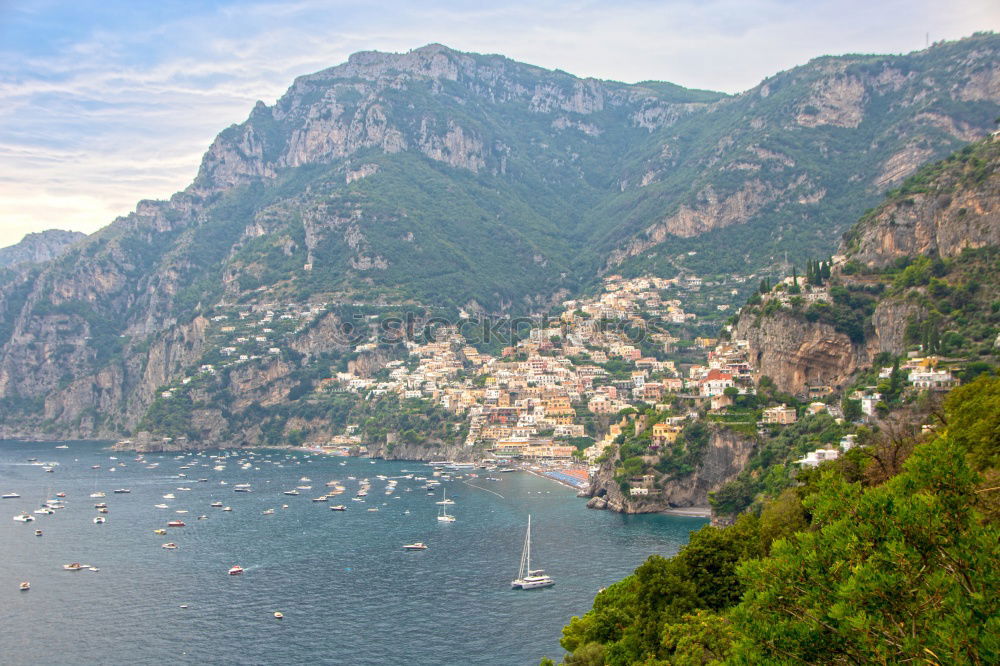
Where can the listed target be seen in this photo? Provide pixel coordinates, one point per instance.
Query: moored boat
(528, 578)
(338, 507)
(419, 545)
(169, 546)
(76, 566)
(176, 523)
(24, 586)
(24, 518)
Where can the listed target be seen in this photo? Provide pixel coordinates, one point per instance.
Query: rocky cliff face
(724, 457)
(958, 208)
(947, 207)
(39, 247)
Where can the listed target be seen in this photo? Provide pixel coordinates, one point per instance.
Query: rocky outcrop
(960, 208)
(724, 457)
(39, 247)
(796, 353)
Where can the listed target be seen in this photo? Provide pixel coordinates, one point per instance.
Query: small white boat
(161, 506)
(235, 570)
(24, 518)
(100, 520)
(419, 545)
(216, 504)
(227, 508)
(99, 493)
(122, 491)
(10, 496)
(169, 496)
(76, 566)
(338, 507)
(169, 546)
(291, 492)
(268, 512)
(278, 615)
(38, 533)
(24, 586)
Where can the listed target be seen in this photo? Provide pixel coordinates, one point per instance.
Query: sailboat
(528, 578)
(444, 517)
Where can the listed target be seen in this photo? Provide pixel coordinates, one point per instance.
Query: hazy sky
(103, 103)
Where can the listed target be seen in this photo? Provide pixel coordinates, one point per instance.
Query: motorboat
(321, 498)
(169, 546)
(100, 520)
(268, 512)
(10, 496)
(38, 533)
(159, 531)
(216, 504)
(24, 586)
(419, 545)
(278, 615)
(176, 523)
(169, 496)
(103, 509)
(76, 566)
(338, 507)
(122, 491)
(24, 518)
(202, 517)
(291, 492)
(60, 494)
(528, 578)
(46, 511)
(227, 508)
(101, 505)
(374, 508)
(161, 506)
(235, 570)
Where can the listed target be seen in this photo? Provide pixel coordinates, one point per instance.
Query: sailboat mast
(527, 546)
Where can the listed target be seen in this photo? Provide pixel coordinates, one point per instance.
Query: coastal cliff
(725, 455)
(945, 211)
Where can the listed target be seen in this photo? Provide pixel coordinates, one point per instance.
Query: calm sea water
(349, 593)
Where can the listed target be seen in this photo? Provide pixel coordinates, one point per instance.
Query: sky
(104, 103)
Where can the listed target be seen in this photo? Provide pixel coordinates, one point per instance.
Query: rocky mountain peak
(36, 248)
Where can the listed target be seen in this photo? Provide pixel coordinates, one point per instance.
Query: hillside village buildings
(536, 397)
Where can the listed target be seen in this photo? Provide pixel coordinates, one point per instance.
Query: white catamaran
(528, 578)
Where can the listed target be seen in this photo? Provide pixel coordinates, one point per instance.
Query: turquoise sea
(348, 591)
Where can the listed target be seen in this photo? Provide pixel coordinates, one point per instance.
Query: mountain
(915, 270)
(37, 248)
(462, 183)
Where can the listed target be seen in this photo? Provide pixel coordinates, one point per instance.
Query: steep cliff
(947, 208)
(720, 461)
(908, 266)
